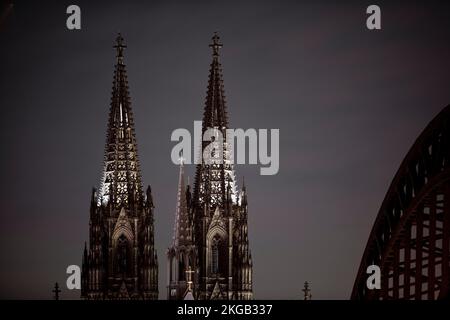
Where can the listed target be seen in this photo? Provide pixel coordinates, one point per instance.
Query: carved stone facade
(121, 260)
(211, 233)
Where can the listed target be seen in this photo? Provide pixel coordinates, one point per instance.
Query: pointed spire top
(307, 291)
(215, 45)
(149, 196)
(119, 47)
(180, 230)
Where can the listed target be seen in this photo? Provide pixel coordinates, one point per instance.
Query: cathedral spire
(121, 173)
(215, 114)
(181, 227)
(210, 233)
(306, 291)
(181, 254)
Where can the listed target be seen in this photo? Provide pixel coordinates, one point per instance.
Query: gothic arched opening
(123, 256)
(218, 255)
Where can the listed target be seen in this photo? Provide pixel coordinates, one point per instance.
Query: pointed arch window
(122, 255)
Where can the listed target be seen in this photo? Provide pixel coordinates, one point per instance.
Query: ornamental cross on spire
(215, 45)
(119, 47)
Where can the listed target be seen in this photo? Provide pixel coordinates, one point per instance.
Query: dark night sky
(349, 103)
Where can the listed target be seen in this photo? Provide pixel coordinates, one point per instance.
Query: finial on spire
(215, 45)
(85, 253)
(149, 197)
(119, 47)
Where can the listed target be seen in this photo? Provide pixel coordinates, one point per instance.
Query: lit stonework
(121, 261)
(211, 233)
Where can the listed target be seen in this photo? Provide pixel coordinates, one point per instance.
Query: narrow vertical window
(215, 255)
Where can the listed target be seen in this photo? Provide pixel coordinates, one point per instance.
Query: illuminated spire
(121, 177)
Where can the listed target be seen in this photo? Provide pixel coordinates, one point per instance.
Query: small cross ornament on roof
(56, 291)
(119, 46)
(307, 291)
(215, 45)
(189, 273)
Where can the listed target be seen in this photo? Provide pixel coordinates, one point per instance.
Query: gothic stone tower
(211, 233)
(121, 261)
(182, 255)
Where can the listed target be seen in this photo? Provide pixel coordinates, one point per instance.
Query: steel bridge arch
(410, 239)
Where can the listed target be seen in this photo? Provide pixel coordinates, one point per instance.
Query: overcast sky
(349, 103)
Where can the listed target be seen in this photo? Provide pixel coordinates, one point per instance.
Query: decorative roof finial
(215, 45)
(307, 291)
(119, 47)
